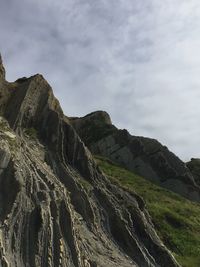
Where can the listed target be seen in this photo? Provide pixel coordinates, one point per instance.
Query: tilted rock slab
(144, 156)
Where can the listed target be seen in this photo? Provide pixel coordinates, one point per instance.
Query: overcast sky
(137, 59)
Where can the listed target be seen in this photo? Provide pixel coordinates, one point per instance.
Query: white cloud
(136, 59)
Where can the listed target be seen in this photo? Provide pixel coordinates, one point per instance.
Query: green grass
(176, 219)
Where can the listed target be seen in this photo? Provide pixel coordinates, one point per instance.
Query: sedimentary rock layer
(144, 156)
(56, 207)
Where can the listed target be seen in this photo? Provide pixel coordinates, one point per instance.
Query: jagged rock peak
(2, 70)
(27, 102)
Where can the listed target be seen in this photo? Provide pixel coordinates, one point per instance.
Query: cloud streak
(136, 59)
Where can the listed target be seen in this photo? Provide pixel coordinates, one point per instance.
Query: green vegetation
(176, 219)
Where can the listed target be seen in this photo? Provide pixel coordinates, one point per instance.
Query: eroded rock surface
(2, 70)
(56, 207)
(144, 156)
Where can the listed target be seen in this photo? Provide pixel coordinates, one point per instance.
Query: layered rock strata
(144, 156)
(56, 207)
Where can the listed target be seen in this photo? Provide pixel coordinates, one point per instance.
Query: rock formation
(194, 166)
(56, 207)
(2, 70)
(144, 156)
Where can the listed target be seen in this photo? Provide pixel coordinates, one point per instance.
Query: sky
(137, 60)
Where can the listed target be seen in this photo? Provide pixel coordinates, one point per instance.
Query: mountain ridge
(144, 156)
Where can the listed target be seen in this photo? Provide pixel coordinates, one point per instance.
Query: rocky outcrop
(2, 70)
(56, 207)
(98, 123)
(144, 156)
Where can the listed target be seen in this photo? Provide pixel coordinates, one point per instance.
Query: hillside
(176, 219)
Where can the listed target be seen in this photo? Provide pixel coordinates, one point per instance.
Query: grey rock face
(4, 158)
(56, 207)
(144, 156)
(2, 70)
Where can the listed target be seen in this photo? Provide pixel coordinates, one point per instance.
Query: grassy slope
(176, 219)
